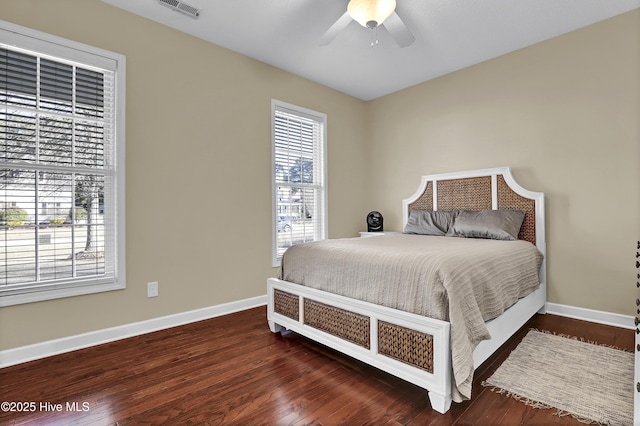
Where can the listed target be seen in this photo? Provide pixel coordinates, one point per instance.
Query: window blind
(299, 177)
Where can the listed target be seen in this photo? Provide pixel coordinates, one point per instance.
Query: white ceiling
(450, 35)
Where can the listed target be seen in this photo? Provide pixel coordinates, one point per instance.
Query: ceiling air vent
(180, 6)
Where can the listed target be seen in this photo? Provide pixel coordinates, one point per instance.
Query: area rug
(593, 383)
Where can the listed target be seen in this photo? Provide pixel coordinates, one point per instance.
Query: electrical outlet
(152, 289)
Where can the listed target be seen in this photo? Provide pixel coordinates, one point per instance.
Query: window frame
(58, 48)
(320, 118)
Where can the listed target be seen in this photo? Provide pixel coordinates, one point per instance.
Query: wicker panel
(508, 199)
(406, 345)
(286, 304)
(425, 202)
(339, 322)
(465, 194)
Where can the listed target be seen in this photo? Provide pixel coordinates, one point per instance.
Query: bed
(420, 345)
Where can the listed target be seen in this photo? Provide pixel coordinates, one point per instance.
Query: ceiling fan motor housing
(371, 13)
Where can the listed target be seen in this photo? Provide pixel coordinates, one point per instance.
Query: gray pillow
(429, 222)
(491, 224)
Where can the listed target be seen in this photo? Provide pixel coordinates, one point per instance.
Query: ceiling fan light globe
(367, 11)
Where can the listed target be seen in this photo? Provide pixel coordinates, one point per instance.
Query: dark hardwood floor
(233, 370)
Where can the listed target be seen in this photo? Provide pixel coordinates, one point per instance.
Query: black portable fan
(374, 222)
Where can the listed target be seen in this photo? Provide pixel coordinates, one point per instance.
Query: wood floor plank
(232, 370)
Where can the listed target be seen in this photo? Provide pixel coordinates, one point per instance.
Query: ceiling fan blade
(398, 30)
(335, 29)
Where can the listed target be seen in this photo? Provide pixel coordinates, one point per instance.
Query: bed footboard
(409, 346)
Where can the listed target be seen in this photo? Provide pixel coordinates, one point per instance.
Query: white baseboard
(67, 344)
(600, 317)
(27, 353)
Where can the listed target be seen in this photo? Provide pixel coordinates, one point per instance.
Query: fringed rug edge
(582, 339)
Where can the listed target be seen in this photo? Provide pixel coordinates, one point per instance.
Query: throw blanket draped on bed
(460, 280)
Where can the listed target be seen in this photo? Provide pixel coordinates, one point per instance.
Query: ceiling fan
(371, 14)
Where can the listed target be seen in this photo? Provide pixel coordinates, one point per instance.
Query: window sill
(57, 293)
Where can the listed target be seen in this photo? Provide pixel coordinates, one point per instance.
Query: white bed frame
(438, 383)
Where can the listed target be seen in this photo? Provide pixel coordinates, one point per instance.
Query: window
(299, 182)
(61, 167)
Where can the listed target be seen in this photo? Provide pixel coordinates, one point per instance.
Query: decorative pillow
(491, 224)
(429, 222)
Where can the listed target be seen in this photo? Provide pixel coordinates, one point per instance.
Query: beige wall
(564, 114)
(198, 169)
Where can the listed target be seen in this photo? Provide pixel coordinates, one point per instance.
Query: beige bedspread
(461, 280)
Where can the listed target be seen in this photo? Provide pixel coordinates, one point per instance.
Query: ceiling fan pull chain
(374, 36)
